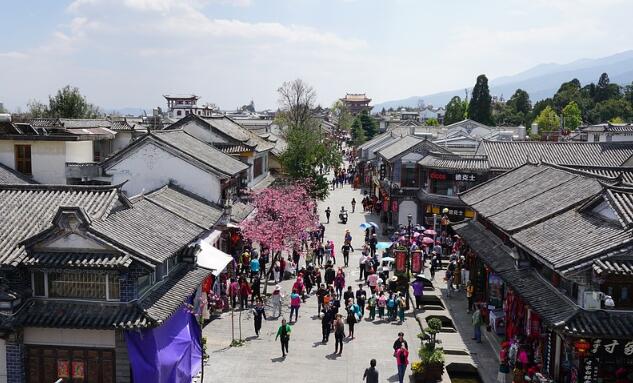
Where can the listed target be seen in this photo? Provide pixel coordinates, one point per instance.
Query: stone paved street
(259, 359)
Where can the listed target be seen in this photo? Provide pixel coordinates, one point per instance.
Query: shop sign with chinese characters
(590, 370)
(465, 177)
(612, 347)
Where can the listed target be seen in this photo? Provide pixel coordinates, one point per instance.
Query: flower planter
(431, 374)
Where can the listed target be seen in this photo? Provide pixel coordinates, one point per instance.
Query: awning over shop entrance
(212, 258)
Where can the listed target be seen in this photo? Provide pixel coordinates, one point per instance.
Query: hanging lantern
(582, 346)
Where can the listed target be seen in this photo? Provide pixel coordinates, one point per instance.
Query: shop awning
(212, 258)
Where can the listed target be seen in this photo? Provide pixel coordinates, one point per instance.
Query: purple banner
(171, 353)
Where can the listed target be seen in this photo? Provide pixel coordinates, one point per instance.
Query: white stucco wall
(406, 208)
(150, 167)
(69, 337)
(79, 151)
(48, 159)
(121, 140)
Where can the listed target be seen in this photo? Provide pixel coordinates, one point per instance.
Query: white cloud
(14, 55)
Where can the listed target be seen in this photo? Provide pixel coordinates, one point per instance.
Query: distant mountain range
(540, 82)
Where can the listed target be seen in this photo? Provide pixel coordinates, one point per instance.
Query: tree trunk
(274, 259)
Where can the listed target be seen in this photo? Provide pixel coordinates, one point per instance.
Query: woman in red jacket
(402, 360)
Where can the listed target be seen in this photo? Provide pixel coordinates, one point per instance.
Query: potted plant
(430, 368)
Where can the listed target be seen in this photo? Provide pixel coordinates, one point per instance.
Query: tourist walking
(295, 303)
(402, 360)
(321, 293)
(371, 304)
(361, 297)
(381, 303)
(339, 283)
(328, 212)
(276, 301)
(371, 374)
(398, 342)
(258, 313)
(353, 204)
(477, 321)
(470, 291)
(346, 248)
(245, 292)
(402, 305)
(353, 316)
(284, 334)
(418, 292)
(339, 334)
(326, 322)
(433, 267)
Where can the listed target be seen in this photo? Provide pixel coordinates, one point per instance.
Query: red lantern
(582, 346)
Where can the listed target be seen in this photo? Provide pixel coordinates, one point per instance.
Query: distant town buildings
(183, 105)
(356, 102)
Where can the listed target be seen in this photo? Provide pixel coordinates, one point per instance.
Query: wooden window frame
(23, 164)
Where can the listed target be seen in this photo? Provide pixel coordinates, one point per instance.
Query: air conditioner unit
(592, 300)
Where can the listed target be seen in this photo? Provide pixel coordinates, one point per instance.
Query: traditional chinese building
(356, 102)
(549, 253)
(91, 280)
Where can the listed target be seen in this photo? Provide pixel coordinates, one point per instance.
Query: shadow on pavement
(278, 359)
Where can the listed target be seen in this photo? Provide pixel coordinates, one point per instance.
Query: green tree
(432, 122)
(547, 120)
(455, 111)
(605, 90)
(36, 109)
(609, 109)
(343, 116)
(572, 117)
(308, 148)
(358, 134)
(70, 103)
(617, 120)
(480, 107)
(520, 102)
(368, 123)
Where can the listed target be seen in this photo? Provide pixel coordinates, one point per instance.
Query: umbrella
(430, 232)
(427, 240)
(383, 245)
(365, 225)
(416, 234)
(374, 224)
(388, 259)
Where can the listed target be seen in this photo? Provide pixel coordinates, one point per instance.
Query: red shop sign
(416, 261)
(438, 176)
(401, 261)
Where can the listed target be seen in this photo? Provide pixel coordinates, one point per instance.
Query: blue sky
(127, 53)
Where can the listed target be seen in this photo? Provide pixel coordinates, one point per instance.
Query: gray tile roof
(617, 267)
(165, 299)
(621, 200)
(571, 238)
(505, 155)
(407, 143)
(187, 206)
(10, 176)
(29, 209)
(240, 210)
(201, 151)
(148, 230)
(455, 162)
(550, 304)
(601, 324)
(77, 314)
(529, 194)
(238, 132)
(77, 260)
(623, 174)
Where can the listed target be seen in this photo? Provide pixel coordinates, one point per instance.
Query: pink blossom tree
(282, 215)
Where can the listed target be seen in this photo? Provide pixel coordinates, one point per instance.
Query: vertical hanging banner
(416, 261)
(401, 260)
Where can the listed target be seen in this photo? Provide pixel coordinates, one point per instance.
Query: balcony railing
(82, 170)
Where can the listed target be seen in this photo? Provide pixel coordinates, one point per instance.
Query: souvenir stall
(530, 348)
